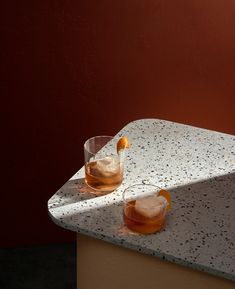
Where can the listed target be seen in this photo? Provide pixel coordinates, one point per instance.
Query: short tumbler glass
(103, 169)
(144, 210)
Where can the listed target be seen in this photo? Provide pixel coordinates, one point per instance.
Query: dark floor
(39, 267)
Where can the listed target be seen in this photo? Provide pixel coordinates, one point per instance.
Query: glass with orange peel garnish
(145, 208)
(104, 171)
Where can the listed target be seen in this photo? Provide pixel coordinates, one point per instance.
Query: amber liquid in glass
(140, 223)
(103, 180)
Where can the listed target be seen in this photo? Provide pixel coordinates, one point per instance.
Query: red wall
(74, 69)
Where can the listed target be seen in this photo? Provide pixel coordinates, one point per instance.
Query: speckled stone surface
(196, 165)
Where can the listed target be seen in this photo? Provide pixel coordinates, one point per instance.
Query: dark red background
(74, 69)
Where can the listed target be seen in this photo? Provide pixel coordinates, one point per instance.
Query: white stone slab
(196, 165)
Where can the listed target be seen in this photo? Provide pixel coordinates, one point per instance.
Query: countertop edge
(142, 250)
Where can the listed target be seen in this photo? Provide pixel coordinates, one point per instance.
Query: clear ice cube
(150, 206)
(108, 166)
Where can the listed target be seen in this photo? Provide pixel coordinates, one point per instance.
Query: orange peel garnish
(167, 196)
(123, 143)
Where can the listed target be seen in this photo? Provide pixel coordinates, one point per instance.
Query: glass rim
(94, 137)
(135, 185)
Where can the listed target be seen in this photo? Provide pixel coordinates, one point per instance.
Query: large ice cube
(108, 166)
(150, 206)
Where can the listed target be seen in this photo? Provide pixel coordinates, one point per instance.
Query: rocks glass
(103, 168)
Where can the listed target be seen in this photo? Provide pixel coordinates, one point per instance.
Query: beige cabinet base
(101, 265)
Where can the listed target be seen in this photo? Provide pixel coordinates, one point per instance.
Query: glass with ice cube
(103, 171)
(144, 209)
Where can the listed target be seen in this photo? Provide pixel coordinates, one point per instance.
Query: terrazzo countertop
(196, 165)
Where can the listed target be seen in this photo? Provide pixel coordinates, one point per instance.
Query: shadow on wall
(75, 70)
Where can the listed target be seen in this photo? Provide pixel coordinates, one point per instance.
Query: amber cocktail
(145, 208)
(103, 171)
(104, 174)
